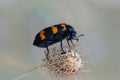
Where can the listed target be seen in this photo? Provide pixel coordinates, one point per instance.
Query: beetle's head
(73, 34)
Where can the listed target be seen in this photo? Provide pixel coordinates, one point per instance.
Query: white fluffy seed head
(63, 64)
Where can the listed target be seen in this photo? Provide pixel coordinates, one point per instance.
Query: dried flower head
(64, 64)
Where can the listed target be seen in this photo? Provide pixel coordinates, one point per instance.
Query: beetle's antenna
(80, 35)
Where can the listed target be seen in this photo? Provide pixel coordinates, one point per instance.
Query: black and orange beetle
(54, 34)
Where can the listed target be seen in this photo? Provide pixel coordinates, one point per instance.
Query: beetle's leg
(47, 51)
(68, 42)
(62, 46)
(72, 43)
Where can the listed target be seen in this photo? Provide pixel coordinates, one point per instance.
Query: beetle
(54, 34)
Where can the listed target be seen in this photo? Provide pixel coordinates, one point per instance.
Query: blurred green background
(20, 20)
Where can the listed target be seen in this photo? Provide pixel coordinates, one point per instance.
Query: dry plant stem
(26, 73)
(61, 66)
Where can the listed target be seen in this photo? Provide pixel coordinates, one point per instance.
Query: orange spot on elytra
(42, 35)
(54, 29)
(63, 26)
